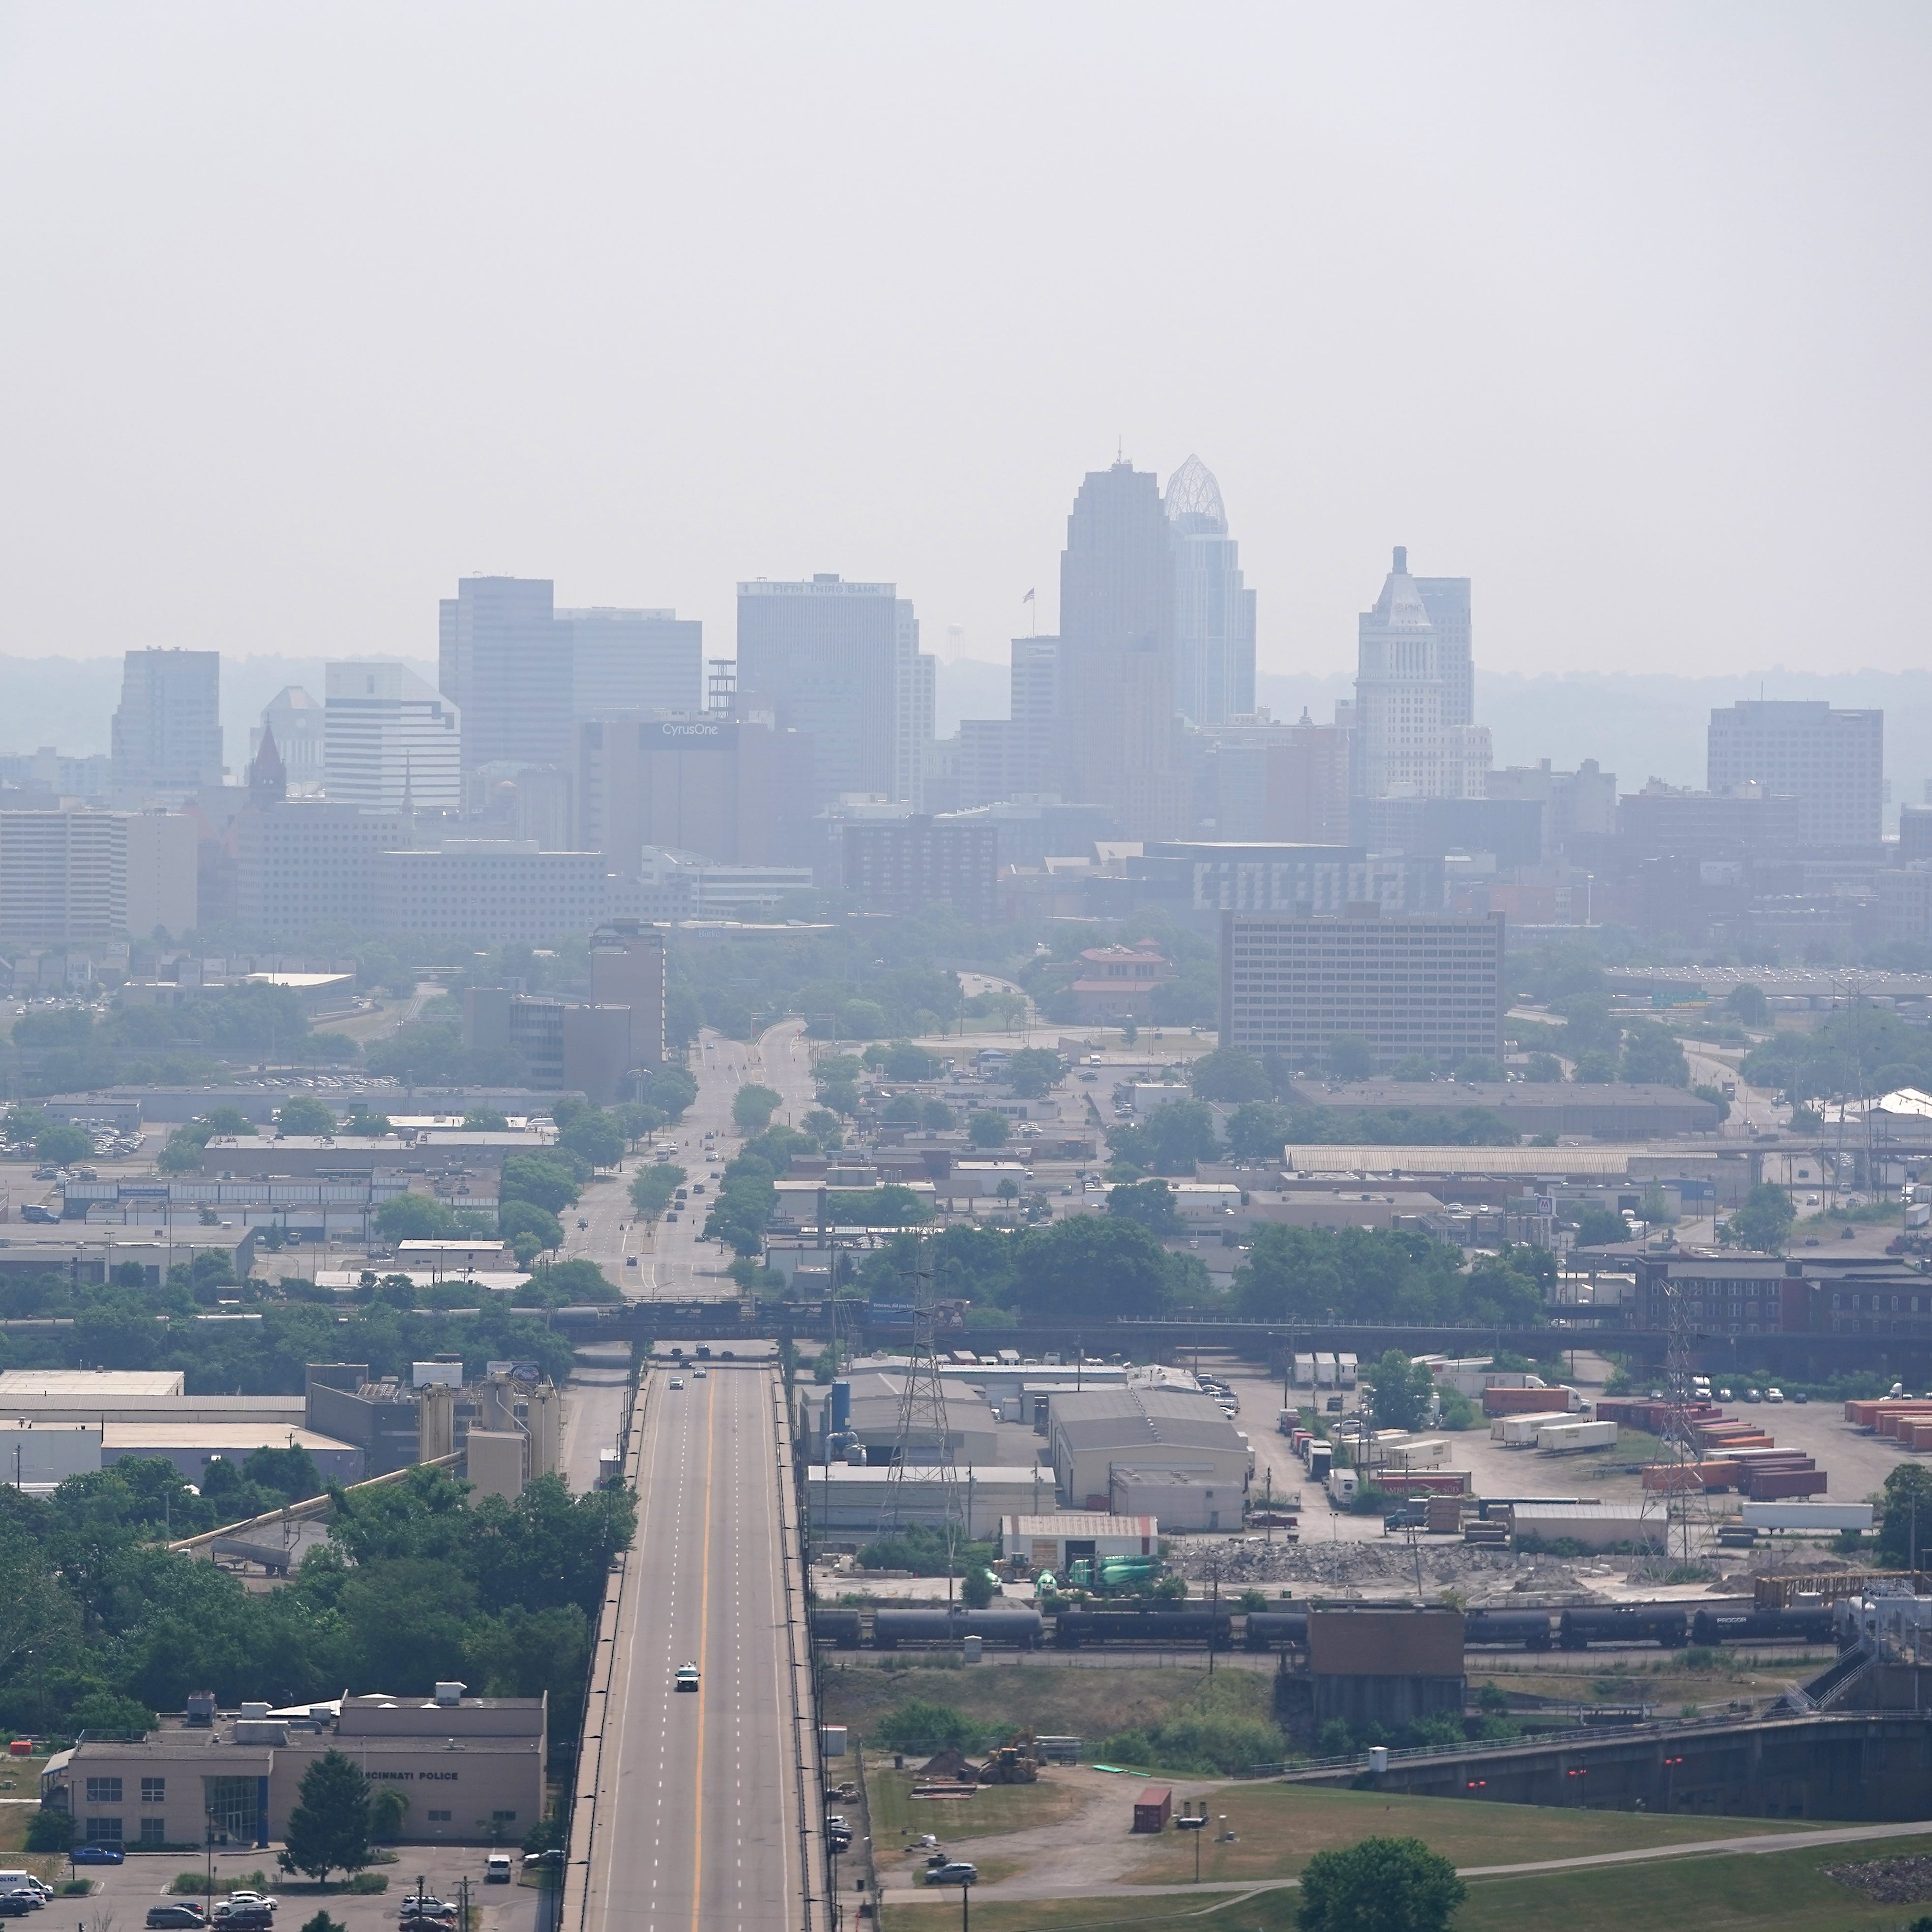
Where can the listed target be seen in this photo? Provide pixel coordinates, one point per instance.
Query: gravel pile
(1886, 1881)
(1480, 1576)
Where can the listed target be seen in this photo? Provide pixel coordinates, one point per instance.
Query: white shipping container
(1325, 1371)
(1304, 1372)
(1560, 1439)
(1807, 1516)
(1520, 1431)
(1425, 1453)
(1346, 1367)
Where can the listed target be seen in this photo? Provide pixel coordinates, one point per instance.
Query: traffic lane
(700, 1828)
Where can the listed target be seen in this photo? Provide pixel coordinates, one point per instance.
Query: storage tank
(1272, 1629)
(1633, 1623)
(1016, 1625)
(1529, 1629)
(838, 1627)
(1072, 1628)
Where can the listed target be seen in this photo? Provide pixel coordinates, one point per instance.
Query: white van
(496, 1868)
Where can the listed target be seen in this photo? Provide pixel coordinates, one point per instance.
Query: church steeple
(268, 777)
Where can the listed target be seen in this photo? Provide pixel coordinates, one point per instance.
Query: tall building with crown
(1413, 736)
(1214, 609)
(1120, 745)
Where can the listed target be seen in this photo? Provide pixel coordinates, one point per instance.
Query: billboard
(688, 734)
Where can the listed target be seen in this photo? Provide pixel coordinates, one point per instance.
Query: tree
(1543, 1068)
(985, 1130)
(1596, 1227)
(596, 1136)
(230, 1121)
(481, 1120)
(1765, 1220)
(1749, 1005)
(361, 1122)
(1379, 1884)
(578, 1283)
(902, 1060)
(543, 1177)
(654, 1188)
(525, 1217)
(415, 1217)
(328, 1829)
(1177, 1134)
(62, 1144)
(1030, 1071)
(752, 1108)
(1402, 1390)
(1596, 1067)
(1149, 1202)
(672, 1088)
(303, 1114)
(935, 1116)
(1089, 1266)
(1258, 1130)
(1652, 1054)
(1350, 1057)
(1229, 1074)
(1905, 1526)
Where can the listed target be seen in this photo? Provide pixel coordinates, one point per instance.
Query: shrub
(918, 1726)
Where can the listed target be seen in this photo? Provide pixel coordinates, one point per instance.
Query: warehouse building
(1143, 1429)
(848, 1501)
(472, 1768)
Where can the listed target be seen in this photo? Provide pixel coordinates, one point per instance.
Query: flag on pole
(1027, 598)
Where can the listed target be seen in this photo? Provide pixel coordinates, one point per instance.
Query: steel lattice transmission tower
(923, 1439)
(1688, 1495)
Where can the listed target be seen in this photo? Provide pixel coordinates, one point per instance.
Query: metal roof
(1321, 1159)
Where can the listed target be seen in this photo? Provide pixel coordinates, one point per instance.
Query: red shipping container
(1524, 1401)
(1152, 1810)
(1770, 1485)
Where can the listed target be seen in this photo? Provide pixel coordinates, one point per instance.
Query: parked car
(414, 1908)
(496, 1868)
(233, 1918)
(953, 1871)
(97, 1855)
(14, 1905)
(532, 1860)
(34, 1901)
(187, 1918)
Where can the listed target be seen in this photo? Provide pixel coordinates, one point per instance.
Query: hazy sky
(305, 310)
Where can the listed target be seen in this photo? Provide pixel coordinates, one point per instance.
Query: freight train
(1173, 1626)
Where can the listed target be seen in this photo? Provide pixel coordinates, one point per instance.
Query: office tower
(1119, 744)
(390, 740)
(504, 661)
(1412, 738)
(1307, 788)
(1582, 804)
(1419, 983)
(1213, 610)
(310, 862)
(297, 722)
(1447, 601)
(986, 762)
(499, 891)
(1033, 711)
(903, 865)
(633, 661)
(90, 878)
(167, 731)
(736, 789)
(917, 679)
(627, 969)
(1832, 762)
(840, 663)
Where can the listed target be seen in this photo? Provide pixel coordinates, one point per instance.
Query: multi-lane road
(701, 1797)
(670, 1263)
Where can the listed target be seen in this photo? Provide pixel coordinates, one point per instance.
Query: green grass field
(1276, 1826)
(994, 1809)
(1780, 1891)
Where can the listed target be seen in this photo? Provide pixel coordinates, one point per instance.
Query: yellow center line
(704, 1653)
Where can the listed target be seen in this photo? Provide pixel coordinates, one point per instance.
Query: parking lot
(124, 1893)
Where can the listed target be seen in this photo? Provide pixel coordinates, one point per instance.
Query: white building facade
(391, 739)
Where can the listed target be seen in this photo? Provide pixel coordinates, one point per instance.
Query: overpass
(705, 1810)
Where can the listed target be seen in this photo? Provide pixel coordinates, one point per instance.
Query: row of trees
(417, 1582)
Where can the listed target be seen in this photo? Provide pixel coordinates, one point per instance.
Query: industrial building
(435, 1415)
(877, 1402)
(1071, 1536)
(1143, 1429)
(472, 1768)
(1632, 1111)
(847, 1500)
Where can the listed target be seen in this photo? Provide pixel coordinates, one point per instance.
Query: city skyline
(1583, 398)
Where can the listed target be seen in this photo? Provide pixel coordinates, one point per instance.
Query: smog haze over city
(1619, 311)
(788, 794)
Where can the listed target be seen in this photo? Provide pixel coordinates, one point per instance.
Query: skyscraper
(633, 661)
(295, 721)
(1832, 762)
(1213, 610)
(505, 662)
(1120, 746)
(840, 663)
(167, 731)
(389, 739)
(1412, 737)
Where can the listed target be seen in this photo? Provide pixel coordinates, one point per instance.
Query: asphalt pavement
(698, 1809)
